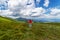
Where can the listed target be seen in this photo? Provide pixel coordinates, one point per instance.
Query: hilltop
(18, 30)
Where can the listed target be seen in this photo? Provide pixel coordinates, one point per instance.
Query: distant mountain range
(40, 20)
(37, 19)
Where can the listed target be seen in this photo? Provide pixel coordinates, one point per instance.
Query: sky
(47, 9)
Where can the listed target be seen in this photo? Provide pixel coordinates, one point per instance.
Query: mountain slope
(15, 30)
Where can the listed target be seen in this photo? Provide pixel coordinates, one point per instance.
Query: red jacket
(30, 21)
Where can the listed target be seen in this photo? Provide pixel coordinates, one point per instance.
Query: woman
(30, 23)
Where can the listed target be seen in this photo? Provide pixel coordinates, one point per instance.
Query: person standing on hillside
(30, 23)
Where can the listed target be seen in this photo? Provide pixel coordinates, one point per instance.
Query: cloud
(55, 11)
(54, 14)
(26, 9)
(19, 7)
(46, 4)
(5, 12)
(33, 12)
(3, 4)
(13, 3)
(38, 11)
(22, 7)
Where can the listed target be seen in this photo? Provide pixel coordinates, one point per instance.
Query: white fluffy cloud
(22, 7)
(13, 3)
(18, 7)
(54, 14)
(55, 11)
(46, 4)
(38, 11)
(5, 12)
(26, 8)
(33, 12)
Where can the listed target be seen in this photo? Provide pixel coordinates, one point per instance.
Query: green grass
(15, 30)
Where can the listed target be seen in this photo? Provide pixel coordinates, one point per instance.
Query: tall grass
(13, 30)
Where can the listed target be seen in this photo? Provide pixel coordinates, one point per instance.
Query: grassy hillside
(14, 30)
